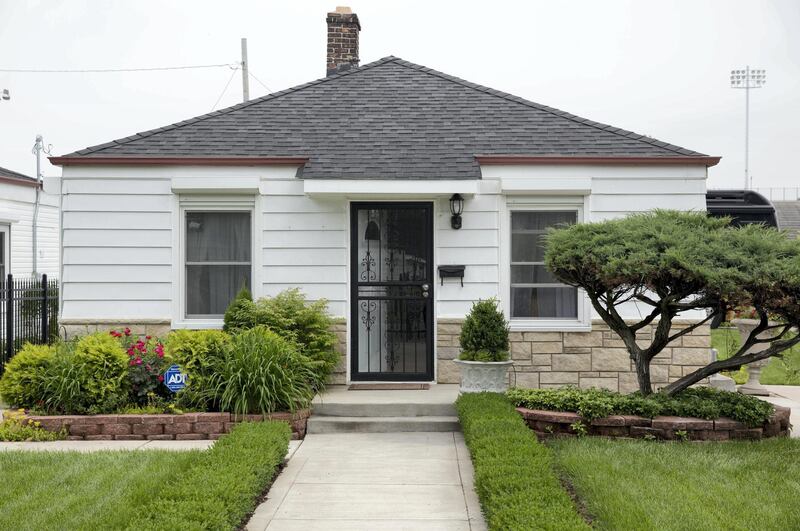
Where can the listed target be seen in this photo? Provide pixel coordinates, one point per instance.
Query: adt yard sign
(175, 379)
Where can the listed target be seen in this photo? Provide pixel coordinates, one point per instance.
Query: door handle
(425, 287)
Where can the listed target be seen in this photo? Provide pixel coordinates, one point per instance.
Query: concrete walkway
(374, 481)
(787, 396)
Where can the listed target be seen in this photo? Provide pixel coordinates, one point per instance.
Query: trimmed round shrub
(102, 364)
(263, 373)
(484, 334)
(23, 379)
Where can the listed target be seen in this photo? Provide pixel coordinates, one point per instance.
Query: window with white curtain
(218, 260)
(535, 293)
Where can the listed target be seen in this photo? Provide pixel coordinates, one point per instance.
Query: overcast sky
(657, 68)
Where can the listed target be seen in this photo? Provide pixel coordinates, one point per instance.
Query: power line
(259, 81)
(107, 70)
(226, 88)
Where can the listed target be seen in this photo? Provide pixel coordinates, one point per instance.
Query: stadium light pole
(747, 79)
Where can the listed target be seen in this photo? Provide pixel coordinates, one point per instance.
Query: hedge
(514, 475)
(701, 402)
(222, 489)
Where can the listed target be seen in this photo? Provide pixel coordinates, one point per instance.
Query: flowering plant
(146, 364)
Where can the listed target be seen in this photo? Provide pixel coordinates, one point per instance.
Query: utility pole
(37, 150)
(245, 72)
(747, 79)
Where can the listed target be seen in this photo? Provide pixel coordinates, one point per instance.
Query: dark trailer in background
(744, 206)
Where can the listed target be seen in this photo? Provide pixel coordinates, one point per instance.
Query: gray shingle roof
(387, 119)
(10, 174)
(788, 214)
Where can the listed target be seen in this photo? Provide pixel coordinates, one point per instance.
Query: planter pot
(480, 376)
(753, 386)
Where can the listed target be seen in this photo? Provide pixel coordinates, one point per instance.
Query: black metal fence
(28, 314)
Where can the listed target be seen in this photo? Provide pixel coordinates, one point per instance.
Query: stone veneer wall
(541, 359)
(584, 359)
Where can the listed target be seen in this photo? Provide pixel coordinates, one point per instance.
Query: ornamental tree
(672, 264)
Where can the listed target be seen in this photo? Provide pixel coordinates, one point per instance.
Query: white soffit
(222, 185)
(399, 187)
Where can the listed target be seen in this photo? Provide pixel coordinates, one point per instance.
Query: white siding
(16, 211)
(120, 256)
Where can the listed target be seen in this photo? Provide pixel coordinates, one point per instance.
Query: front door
(391, 314)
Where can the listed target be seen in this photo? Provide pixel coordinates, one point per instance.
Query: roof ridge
(552, 110)
(267, 97)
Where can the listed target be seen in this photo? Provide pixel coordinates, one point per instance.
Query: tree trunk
(643, 375)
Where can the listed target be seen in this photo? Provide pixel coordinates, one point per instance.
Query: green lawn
(686, 486)
(52, 490)
(785, 371)
(145, 489)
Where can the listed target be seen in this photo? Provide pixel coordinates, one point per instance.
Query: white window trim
(578, 204)
(188, 203)
(6, 229)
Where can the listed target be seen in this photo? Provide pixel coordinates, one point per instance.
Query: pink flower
(130, 351)
(138, 361)
(127, 331)
(160, 377)
(160, 350)
(114, 333)
(148, 337)
(132, 363)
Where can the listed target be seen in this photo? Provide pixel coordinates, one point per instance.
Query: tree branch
(692, 327)
(729, 364)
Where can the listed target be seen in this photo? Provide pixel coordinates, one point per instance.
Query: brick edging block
(547, 423)
(186, 426)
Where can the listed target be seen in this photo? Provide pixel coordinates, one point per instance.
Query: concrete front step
(396, 409)
(331, 424)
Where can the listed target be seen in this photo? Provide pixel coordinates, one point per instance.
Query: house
(351, 187)
(24, 251)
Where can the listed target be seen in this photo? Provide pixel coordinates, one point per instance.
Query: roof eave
(591, 159)
(178, 161)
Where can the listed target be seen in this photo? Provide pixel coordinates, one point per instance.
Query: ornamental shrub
(22, 381)
(241, 314)
(262, 373)
(484, 334)
(295, 319)
(102, 364)
(201, 354)
(700, 402)
(146, 365)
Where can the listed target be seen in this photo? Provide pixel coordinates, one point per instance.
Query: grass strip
(514, 474)
(223, 487)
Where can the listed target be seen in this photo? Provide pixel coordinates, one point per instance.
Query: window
(4, 252)
(218, 260)
(535, 293)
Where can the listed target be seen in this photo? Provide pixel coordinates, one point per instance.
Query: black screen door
(391, 291)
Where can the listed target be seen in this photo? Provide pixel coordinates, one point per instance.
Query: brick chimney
(343, 28)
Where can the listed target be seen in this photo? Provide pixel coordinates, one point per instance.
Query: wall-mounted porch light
(456, 208)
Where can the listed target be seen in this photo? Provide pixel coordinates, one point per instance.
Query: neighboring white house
(343, 187)
(18, 197)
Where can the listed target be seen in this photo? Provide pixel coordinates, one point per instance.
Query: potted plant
(484, 349)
